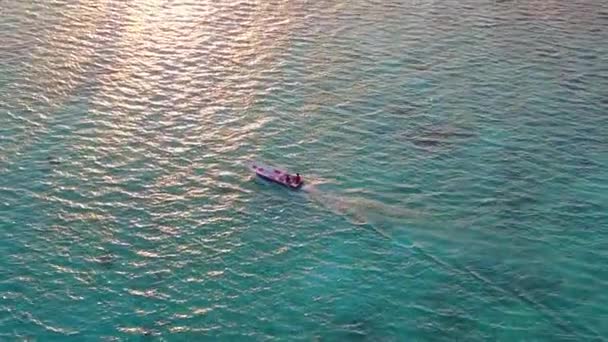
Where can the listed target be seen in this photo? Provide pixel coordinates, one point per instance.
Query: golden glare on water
(219, 50)
(451, 153)
(54, 63)
(202, 62)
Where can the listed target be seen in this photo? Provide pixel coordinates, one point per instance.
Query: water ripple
(455, 153)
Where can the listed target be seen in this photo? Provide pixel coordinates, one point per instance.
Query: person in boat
(287, 179)
(298, 179)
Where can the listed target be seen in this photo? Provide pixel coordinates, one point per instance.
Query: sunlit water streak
(456, 154)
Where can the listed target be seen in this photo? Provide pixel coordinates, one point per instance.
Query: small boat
(276, 175)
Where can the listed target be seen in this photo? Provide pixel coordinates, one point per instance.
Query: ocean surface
(455, 154)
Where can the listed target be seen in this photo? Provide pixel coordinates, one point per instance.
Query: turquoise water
(456, 156)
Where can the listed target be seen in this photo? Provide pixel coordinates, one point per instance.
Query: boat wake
(361, 211)
(381, 218)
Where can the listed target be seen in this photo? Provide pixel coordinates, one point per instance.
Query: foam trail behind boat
(360, 210)
(375, 214)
